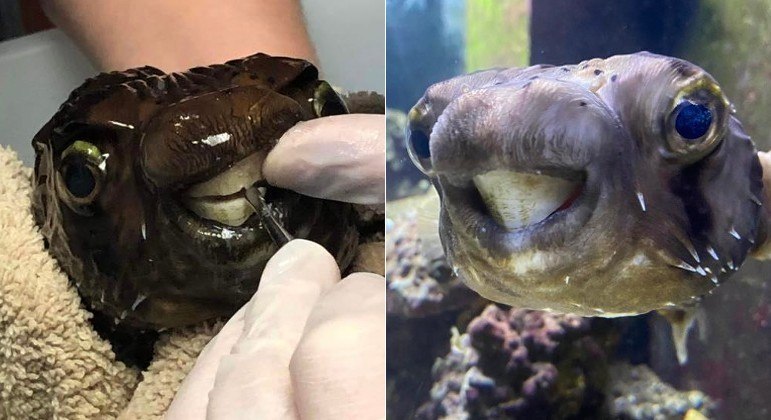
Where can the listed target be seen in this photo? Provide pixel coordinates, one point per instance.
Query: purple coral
(517, 363)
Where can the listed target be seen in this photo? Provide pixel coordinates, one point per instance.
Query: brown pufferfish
(608, 188)
(139, 185)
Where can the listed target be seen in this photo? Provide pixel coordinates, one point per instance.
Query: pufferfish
(609, 188)
(141, 179)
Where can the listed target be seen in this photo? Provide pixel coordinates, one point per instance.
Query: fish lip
(463, 201)
(175, 148)
(220, 166)
(565, 172)
(232, 240)
(182, 197)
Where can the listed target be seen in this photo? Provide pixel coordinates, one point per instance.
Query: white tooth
(242, 174)
(519, 199)
(233, 212)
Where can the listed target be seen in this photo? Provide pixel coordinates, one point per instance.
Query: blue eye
(420, 144)
(80, 181)
(693, 120)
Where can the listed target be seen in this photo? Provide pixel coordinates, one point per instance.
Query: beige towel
(52, 363)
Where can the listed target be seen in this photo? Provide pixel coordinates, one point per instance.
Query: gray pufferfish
(609, 188)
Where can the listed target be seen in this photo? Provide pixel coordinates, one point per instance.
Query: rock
(635, 392)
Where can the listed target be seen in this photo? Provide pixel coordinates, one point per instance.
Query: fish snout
(524, 165)
(198, 138)
(532, 126)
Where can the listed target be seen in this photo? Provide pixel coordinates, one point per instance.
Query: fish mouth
(518, 200)
(513, 210)
(220, 199)
(218, 218)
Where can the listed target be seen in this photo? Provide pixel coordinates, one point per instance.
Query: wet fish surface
(140, 180)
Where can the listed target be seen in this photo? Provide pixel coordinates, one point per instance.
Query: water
(443, 361)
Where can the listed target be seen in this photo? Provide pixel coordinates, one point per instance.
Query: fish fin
(701, 321)
(682, 321)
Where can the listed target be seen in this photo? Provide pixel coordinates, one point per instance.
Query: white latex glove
(338, 158)
(308, 345)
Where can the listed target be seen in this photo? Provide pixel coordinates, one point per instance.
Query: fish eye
(80, 175)
(418, 146)
(327, 102)
(696, 123)
(79, 180)
(692, 120)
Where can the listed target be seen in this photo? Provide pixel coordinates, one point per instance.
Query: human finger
(192, 397)
(253, 380)
(338, 369)
(338, 158)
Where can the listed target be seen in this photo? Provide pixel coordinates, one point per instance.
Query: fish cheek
(732, 187)
(115, 229)
(110, 234)
(711, 218)
(88, 239)
(124, 220)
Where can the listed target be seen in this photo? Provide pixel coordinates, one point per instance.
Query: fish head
(139, 179)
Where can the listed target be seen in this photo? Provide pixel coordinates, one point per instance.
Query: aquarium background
(623, 368)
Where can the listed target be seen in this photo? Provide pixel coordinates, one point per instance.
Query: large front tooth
(232, 212)
(242, 174)
(520, 199)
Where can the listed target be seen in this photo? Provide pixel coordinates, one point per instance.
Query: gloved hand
(338, 158)
(308, 344)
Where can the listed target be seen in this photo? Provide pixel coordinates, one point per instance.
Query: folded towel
(52, 362)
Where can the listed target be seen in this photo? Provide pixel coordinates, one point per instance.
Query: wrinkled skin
(659, 220)
(134, 251)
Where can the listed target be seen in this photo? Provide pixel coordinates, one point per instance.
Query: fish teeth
(232, 212)
(206, 198)
(519, 199)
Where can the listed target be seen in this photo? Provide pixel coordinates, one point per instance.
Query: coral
(423, 300)
(635, 392)
(419, 280)
(518, 363)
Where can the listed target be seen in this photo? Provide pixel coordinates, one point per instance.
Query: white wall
(38, 71)
(350, 39)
